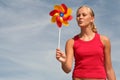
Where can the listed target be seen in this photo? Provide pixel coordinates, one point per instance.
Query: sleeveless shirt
(89, 58)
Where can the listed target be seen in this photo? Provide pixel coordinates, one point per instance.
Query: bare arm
(108, 63)
(67, 58)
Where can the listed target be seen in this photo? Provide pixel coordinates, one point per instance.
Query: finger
(58, 49)
(58, 54)
(57, 57)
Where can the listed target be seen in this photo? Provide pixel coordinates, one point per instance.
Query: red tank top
(89, 58)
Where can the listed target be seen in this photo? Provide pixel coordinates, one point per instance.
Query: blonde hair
(93, 27)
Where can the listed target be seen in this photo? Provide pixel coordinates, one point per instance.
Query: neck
(86, 33)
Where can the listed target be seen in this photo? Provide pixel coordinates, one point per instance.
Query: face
(84, 17)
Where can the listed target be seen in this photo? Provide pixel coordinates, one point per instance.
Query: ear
(92, 19)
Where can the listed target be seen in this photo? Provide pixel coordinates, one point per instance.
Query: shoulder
(105, 40)
(70, 42)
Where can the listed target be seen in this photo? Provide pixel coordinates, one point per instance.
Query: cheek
(91, 19)
(77, 19)
(88, 20)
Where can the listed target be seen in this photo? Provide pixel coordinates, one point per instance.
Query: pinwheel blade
(58, 8)
(64, 8)
(53, 12)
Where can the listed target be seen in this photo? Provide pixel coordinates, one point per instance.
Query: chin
(81, 25)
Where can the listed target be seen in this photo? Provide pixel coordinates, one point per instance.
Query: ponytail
(94, 29)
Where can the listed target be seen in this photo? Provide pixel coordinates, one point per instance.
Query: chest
(82, 50)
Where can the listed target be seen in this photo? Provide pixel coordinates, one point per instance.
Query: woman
(91, 51)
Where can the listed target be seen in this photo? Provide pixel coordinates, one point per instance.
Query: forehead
(84, 10)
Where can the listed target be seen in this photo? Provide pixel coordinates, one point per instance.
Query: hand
(60, 56)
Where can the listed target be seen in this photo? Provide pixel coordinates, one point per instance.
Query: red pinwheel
(61, 15)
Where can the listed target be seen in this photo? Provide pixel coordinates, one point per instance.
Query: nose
(80, 16)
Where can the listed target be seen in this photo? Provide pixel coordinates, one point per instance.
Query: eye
(84, 14)
(78, 15)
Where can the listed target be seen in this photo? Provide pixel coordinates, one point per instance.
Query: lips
(80, 21)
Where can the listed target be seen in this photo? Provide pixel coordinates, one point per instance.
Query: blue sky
(28, 39)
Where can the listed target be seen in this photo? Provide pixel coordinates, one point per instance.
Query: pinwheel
(61, 15)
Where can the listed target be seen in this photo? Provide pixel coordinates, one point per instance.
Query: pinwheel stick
(59, 38)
